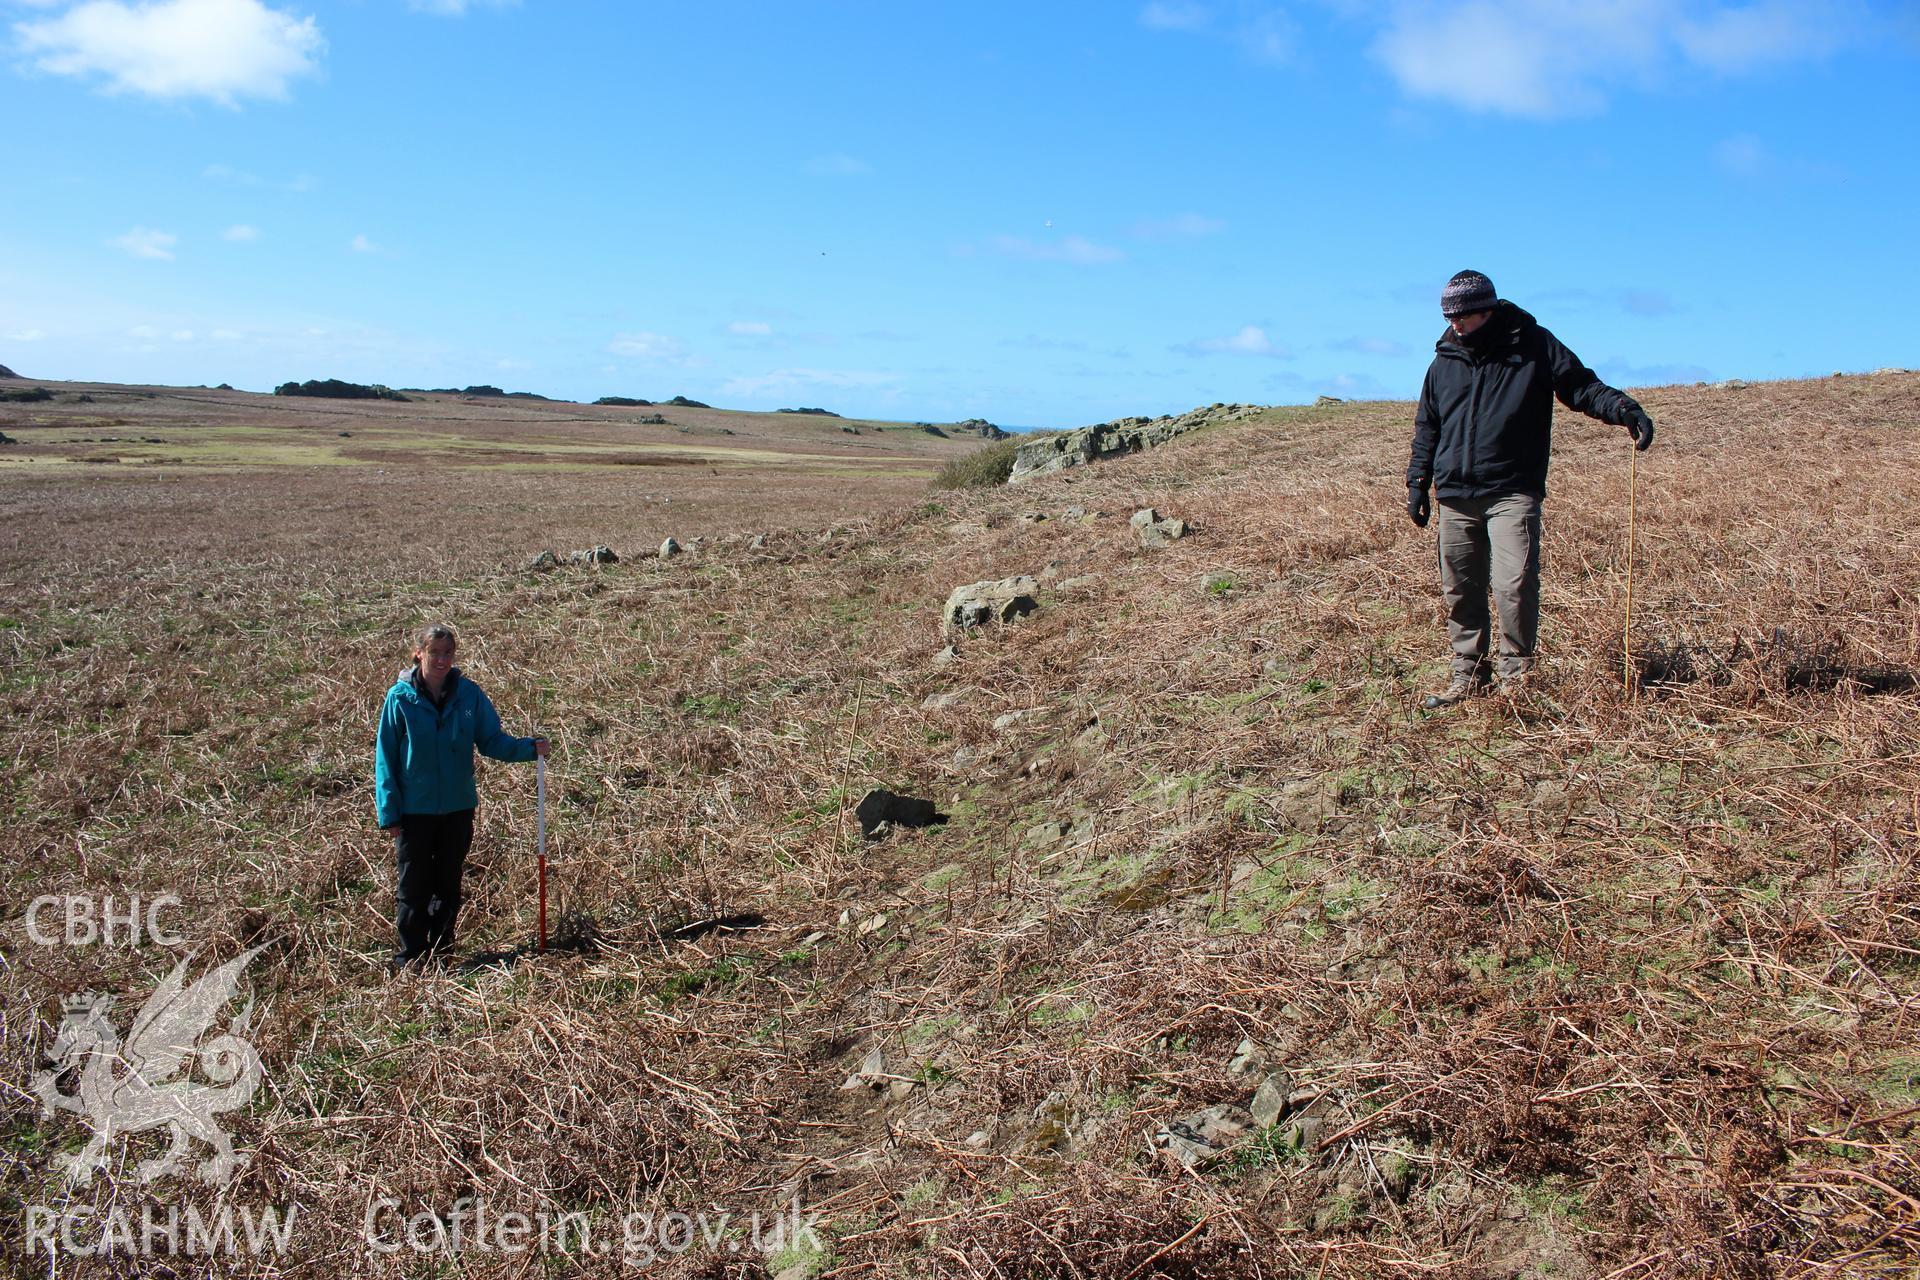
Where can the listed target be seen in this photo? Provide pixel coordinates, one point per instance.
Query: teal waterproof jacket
(423, 754)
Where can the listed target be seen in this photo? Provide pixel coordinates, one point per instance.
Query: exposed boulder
(7, 439)
(594, 555)
(1200, 1139)
(544, 561)
(978, 427)
(1155, 532)
(1321, 402)
(669, 549)
(978, 603)
(1047, 454)
(881, 807)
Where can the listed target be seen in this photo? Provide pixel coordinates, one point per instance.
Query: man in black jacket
(1481, 437)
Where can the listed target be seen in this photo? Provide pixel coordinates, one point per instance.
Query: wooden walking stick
(1626, 633)
(540, 785)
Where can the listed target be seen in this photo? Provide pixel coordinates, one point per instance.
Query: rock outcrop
(1115, 439)
(979, 603)
(7, 373)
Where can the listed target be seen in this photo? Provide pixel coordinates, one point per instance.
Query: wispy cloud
(838, 165)
(1264, 32)
(1252, 340)
(1165, 15)
(750, 329)
(652, 348)
(1372, 346)
(360, 244)
(456, 8)
(241, 233)
(224, 50)
(25, 335)
(792, 382)
(144, 242)
(1179, 226)
(1562, 58)
(1075, 249)
(1623, 373)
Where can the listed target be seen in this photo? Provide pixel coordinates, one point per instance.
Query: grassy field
(1578, 984)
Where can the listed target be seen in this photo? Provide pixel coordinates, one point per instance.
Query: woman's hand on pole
(540, 748)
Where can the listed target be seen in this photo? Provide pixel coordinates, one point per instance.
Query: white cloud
(143, 242)
(838, 165)
(654, 348)
(1179, 226)
(1263, 31)
(750, 329)
(219, 49)
(1075, 249)
(1252, 340)
(26, 335)
(1372, 346)
(182, 335)
(226, 335)
(1731, 41)
(1163, 15)
(360, 244)
(241, 233)
(1743, 156)
(1555, 58)
(792, 382)
(456, 8)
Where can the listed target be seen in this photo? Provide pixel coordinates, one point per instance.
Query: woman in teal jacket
(433, 720)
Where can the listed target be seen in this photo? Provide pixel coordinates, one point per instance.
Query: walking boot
(1463, 686)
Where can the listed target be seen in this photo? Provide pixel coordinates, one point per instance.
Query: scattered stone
(7, 439)
(1249, 1059)
(1005, 722)
(1877, 372)
(1073, 513)
(544, 561)
(594, 555)
(759, 542)
(946, 657)
(1731, 384)
(943, 701)
(1155, 532)
(1270, 1100)
(1321, 402)
(346, 435)
(1033, 517)
(1304, 1133)
(977, 1139)
(669, 549)
(1053, 569)
(981, 602)
(967, 757)
(979, 427)
(872, 1073)
(1081, 583)
(881, 805)
(1200, 1139)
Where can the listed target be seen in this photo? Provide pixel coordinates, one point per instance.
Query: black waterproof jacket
(1484, 425)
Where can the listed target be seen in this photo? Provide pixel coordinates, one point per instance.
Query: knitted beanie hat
(1466, 293)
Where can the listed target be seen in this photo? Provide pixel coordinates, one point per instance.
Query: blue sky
(1045, 215)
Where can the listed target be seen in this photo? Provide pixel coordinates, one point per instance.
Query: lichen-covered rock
(1123, 436)
(544, 561)
(979, 603)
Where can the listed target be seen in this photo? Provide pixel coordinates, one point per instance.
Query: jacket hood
(403, 682)
(1504, 326)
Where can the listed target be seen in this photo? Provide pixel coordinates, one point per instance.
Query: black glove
(1638, 425)
(1420, 506)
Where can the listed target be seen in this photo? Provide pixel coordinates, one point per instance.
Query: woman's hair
(425, 636)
